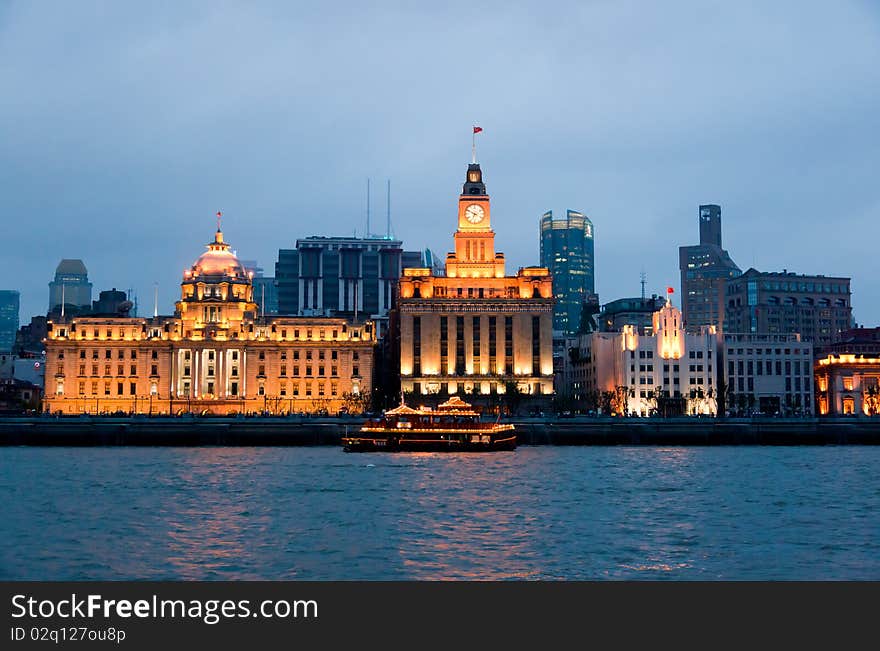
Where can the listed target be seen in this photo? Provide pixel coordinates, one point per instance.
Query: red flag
(478, 129)
(219, 214)
(670, 290)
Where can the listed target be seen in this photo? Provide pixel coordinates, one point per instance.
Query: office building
(476, 330)
(9, 308)
(816, 307)
(705, 270)
(769, 374)
(664, 369)
(265, 288)
(215, 355)
(341, 276)
(71, 287)
(638, 312)
(567, 250)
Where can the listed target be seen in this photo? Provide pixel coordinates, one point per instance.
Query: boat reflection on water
(454, 426)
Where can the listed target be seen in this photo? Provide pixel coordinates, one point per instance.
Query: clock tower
(474, 255)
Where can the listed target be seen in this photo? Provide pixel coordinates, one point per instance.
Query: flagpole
(474, 146)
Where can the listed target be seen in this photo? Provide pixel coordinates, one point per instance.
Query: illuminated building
(705, 270)
(848, 384)
(476, 330)
(664, 369)
(214, 355)
(767, 373)
(567, 250)
(816, 307)
(848, 377)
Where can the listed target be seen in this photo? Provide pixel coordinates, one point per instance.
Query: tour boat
(454, 426)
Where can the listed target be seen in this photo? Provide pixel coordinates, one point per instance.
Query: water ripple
(538, 513)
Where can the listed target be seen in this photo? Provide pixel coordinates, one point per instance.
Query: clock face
(474, 213)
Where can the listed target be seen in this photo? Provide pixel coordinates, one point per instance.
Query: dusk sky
(124, 127)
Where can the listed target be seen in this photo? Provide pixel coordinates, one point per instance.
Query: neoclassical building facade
(476, 330)
(214, 355)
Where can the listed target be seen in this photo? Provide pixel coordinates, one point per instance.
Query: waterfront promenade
(297, 430)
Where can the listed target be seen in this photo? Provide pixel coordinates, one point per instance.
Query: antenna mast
(644, 279)
(388, 212)
(367, 234)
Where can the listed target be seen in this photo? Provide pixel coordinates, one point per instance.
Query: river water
(537, 513)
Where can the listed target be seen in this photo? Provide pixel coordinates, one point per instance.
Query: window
(284, 369)
(82, 354)
(355, 371)
(132, 388)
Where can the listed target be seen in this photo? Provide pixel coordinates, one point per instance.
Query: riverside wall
(292, 431)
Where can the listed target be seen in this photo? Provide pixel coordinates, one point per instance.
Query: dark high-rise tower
(71, 287)
(710, 224)
(705, 269)
(567, 250)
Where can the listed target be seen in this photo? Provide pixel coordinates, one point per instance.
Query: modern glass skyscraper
(567, 250)
(9, 303)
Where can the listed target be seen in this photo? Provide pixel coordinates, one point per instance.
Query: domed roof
(217, 262)
(71, 267)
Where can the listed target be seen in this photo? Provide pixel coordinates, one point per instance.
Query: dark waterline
(537, 513)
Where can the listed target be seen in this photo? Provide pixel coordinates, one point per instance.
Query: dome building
(214, 355)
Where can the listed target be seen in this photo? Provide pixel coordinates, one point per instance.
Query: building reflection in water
(465, 519)
(214, 523)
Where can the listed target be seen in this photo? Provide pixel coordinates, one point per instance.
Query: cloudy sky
(125, 126)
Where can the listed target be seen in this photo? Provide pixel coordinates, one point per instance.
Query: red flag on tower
(478, 129)
(670, 290)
